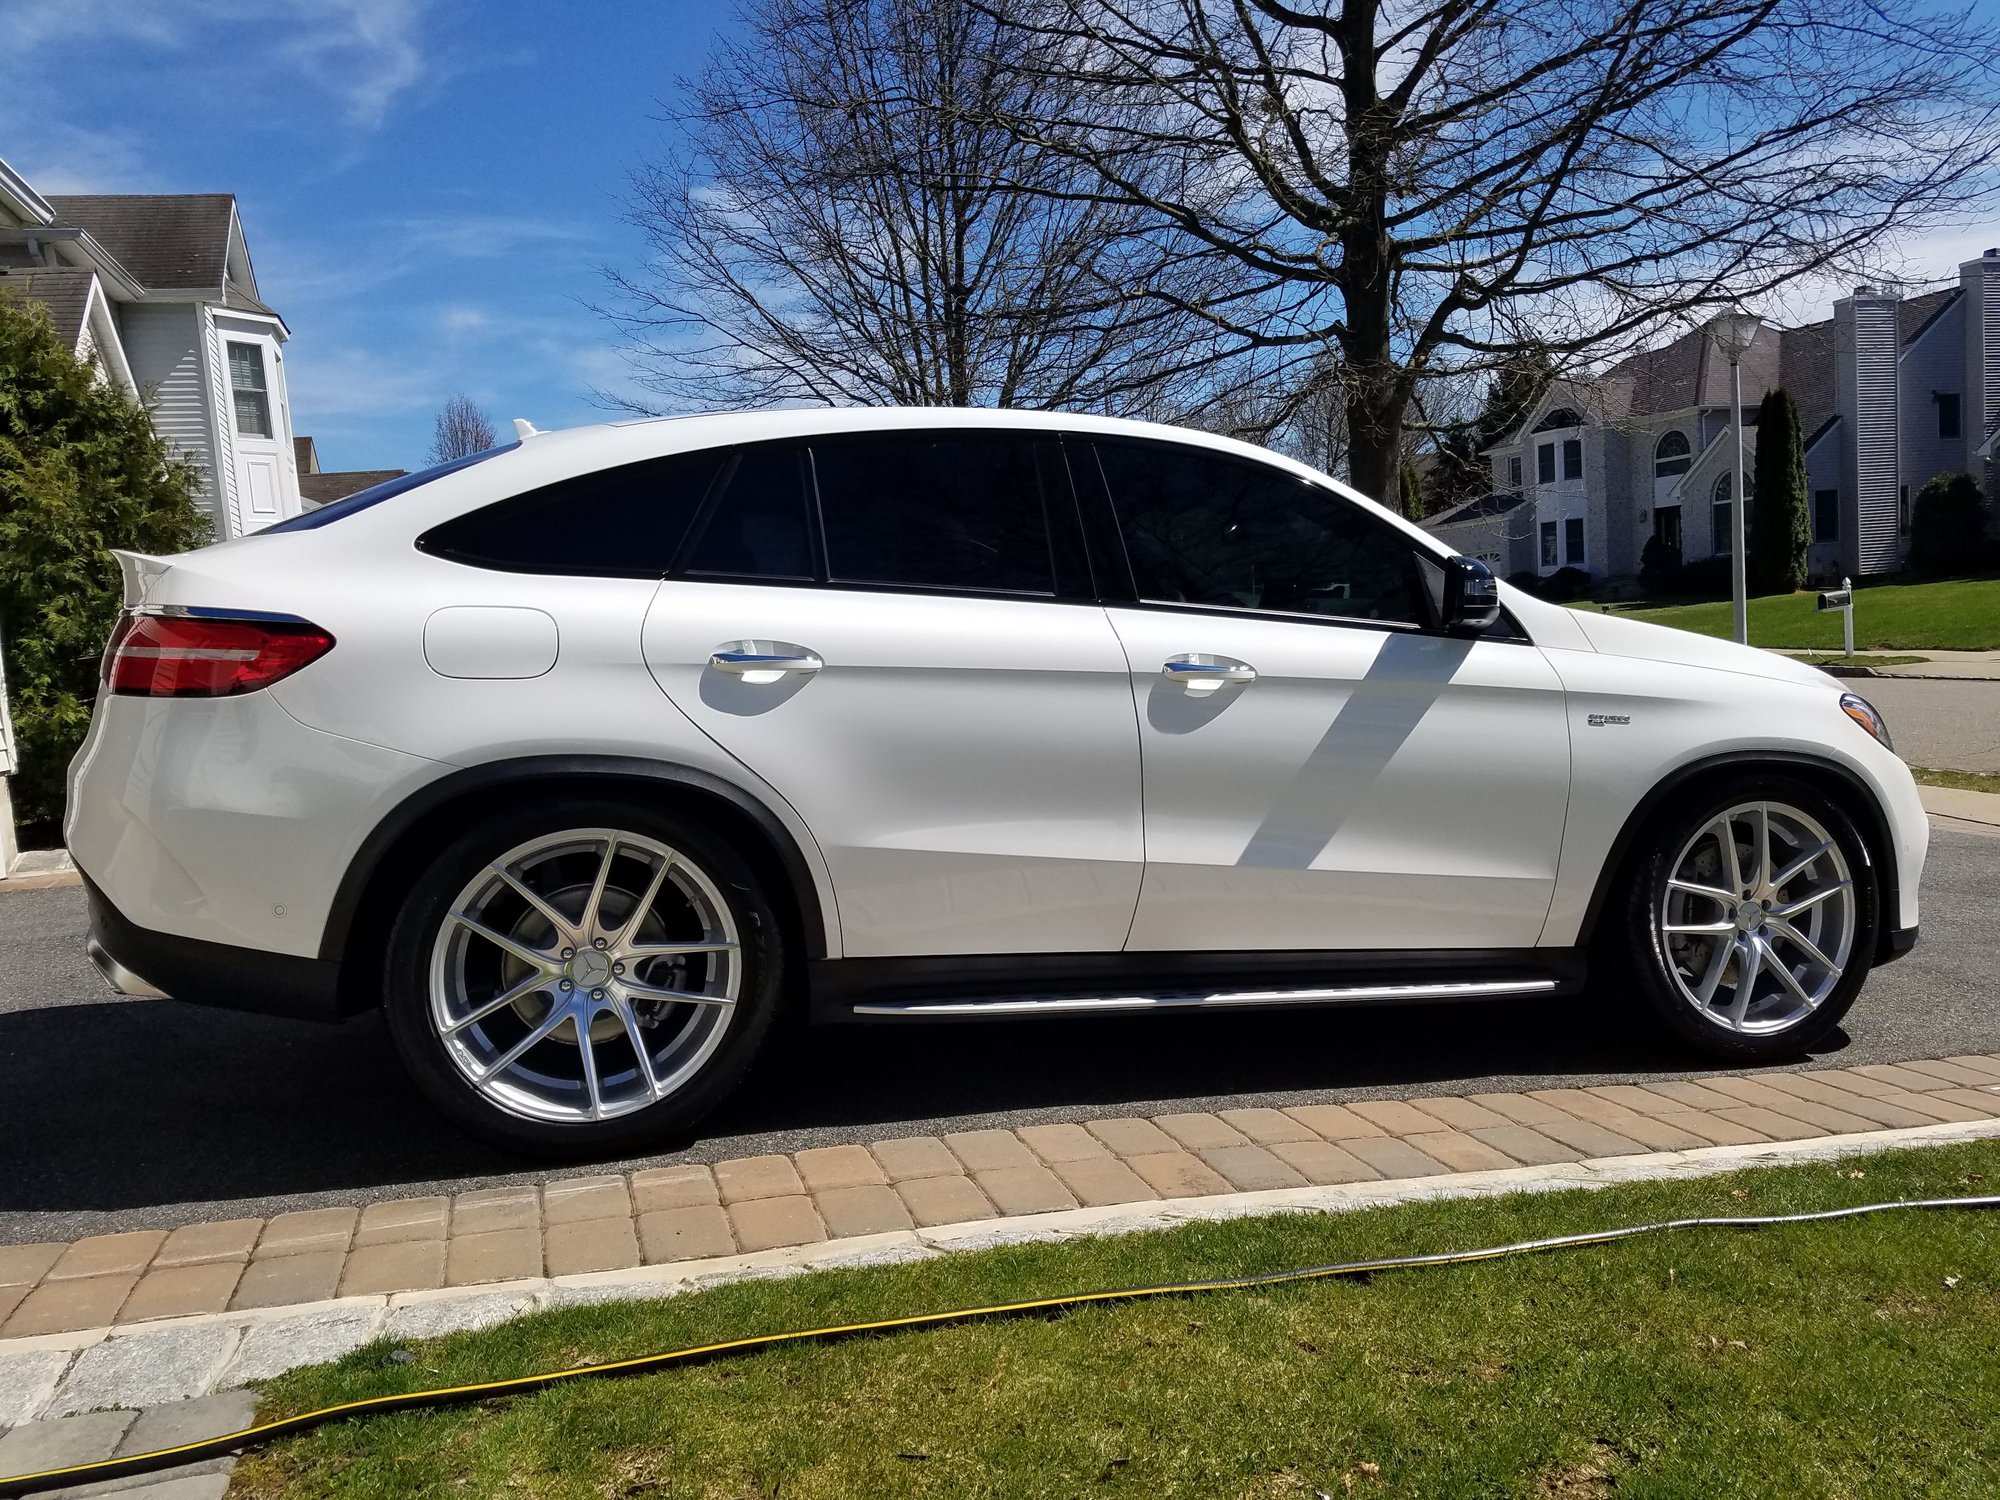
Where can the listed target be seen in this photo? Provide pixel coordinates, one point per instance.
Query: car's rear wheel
(587, 976)
(1753, 919)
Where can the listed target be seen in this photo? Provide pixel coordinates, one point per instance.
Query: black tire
(407, 999)
(1642, 947)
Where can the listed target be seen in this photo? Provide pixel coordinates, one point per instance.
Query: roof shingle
(170, 241)
(65, 293)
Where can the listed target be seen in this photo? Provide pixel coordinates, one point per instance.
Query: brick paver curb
(352, 1274)
(684, 1214)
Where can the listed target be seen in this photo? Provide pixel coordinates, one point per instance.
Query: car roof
(546, 457)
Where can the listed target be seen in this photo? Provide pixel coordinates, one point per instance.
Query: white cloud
(362, 56)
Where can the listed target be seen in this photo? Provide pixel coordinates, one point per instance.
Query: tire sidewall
(1650, 964)
(406, 978)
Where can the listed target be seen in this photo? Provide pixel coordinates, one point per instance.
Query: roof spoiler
(138, 571)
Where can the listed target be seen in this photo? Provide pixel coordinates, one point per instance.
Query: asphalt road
(118, 1114)
(1940, 721)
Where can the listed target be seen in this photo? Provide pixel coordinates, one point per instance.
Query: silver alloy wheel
(584, 975)
(1757, 920)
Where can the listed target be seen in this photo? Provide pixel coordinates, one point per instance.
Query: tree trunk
(1378, 393)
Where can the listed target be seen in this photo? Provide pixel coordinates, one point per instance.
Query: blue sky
(429, 189)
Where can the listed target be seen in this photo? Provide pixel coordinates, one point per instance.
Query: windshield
(347, 505)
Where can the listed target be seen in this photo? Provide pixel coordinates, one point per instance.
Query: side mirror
(1471, 596)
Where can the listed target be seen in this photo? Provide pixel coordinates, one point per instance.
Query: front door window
(1667, 526)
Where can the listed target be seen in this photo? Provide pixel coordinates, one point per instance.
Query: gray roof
(170, 241)
(65, 293)
(318, 489)
(1805, 368)
(1496, 504)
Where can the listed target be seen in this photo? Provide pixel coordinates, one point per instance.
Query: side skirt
(994, 986)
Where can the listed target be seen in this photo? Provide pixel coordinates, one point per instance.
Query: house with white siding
(158, 289)
(1892, 390)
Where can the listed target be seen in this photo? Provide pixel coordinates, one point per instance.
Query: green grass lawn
(1852, 1359)
(1961, 615)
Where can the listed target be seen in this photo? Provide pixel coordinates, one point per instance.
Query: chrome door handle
(1209, 671)
(764, 661)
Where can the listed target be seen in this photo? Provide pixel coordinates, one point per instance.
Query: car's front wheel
(1753, 919)
(586, 976)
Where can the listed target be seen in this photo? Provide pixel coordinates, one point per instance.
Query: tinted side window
(1209, 529)
(957, 510)
(618, 523)
(760, 527)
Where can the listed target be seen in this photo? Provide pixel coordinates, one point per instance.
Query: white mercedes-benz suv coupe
(592, 758)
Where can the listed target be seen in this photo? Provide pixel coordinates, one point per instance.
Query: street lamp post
(1733, 333)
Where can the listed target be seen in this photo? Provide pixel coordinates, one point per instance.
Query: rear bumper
(139, 962)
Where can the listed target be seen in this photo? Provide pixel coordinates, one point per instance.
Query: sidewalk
(1967, 666)
(149, 1317)
(1977, 810)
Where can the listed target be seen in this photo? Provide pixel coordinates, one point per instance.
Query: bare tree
(852, 224)
(1410, 188)
(461, 427)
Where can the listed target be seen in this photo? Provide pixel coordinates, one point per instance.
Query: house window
(1671, 455)
(1548, 544)
(246, 385)
(1514, 471)
(1947, 404)
(1826, 515)
(1545, 463)
(1720, 517)
(1573, 541)
(1572, 458)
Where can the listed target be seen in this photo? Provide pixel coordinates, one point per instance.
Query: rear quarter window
(626, 522)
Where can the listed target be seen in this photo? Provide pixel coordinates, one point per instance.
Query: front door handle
(1200, 670)
(764, 661)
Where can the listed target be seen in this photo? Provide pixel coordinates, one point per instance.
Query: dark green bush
(81, 472)
(1659, 565)
(1566, 584)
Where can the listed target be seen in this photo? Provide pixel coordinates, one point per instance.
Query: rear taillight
(194, 656)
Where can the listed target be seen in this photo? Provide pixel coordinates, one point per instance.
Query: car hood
(1612, 636)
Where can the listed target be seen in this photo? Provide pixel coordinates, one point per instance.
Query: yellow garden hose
(264, 1432)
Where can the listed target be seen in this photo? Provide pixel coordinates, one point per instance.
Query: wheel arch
(1838, 783)
(365, 902)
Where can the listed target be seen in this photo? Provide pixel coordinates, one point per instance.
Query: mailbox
(1836, 599)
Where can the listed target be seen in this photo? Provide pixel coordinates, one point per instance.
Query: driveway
(122, 1114)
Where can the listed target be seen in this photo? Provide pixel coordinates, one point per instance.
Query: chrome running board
(1044, 1005)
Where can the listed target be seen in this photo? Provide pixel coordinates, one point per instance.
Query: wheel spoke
(637, 991)
(588, 1052)
(1730, 860)
(522, 951)
(1749, 963)
(1705, 992)
(588, 925)
(558, 1014)
(499, 1002)
(1811, 899)
(1706, 892)
(563, 926)
(1763, 842)
(1697, 929)
(1803, 943)
(629, 1018)
(673, 950)
(1785, 975)
(644, 904)
(1800, 865)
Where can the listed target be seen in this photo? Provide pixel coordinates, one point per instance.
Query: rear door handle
(1200, 668)
(764, 661)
